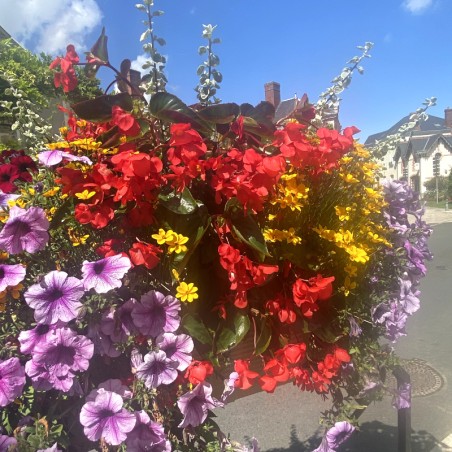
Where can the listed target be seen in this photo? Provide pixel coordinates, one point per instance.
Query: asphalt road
(287, 421)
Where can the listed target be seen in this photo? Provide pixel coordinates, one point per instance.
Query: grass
(440, 205)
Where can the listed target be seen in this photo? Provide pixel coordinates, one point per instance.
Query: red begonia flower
(245, 375)
(145, 254)
(198, 371)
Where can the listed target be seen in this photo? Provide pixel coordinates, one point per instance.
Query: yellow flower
(351, 270)
(77, 239)
(343, 213)
(3, 255)
(349, 285)
(85, 194)
(357, 254)
(187, 292)
(51, 192)
(161, 237)
(177, 244)
(349, 178)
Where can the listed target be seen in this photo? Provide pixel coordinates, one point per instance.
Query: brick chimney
(448, 117)
(273, 93)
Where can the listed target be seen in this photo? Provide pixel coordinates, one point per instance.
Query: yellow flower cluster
(276, 235)
(292, 192)
(76, 238)
(14, 291)
(176, 242)
(84, 144)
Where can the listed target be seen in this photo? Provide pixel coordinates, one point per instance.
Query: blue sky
(302, 45)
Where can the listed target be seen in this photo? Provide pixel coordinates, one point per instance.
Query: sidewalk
(287, 421)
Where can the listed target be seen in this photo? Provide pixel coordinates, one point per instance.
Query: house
(290, 106)
(426, 153)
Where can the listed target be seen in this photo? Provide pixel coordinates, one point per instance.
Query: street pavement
(287, 421)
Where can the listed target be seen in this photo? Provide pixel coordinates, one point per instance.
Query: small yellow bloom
(85, 194)
(351, 270)
(187, 292)
(357, 254)
(349, 178)
(343, 213)
(349, 285)
(161, 237)
(15, 291)
(77, 239)
(51, 192)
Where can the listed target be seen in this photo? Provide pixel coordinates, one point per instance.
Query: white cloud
(417, 6)
(50, 25)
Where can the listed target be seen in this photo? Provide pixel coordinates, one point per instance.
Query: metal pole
(403, 414)
(437, 194)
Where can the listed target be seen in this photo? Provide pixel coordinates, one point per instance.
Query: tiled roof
(421, 145)
(285, 108)
(433, 124)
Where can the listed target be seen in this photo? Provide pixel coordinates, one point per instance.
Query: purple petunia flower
(25, 230)
(11, 275)
(335, 436)
(355, 329)
(105, 274)
(402, 397)
(55, 156)
(55, 298)
(111, 385)
(30, 338)
(56, 360)
(105, 418)
(195, 404)
(156, 314)
(12, 380)
(118, 323)
(177, 347)
(103, 345)
(229, 385)
(6, 442)
(157, 369)
(147, 435)
(5, 197)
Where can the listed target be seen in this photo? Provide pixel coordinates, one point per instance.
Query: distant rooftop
(433, 125)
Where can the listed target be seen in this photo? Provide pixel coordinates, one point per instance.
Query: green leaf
(195, 327)
(233, 331)
(99, 109)
(181, 203)
(220, 113)
(169, 107)
(265, 336)
(326, 334)
(245, 227)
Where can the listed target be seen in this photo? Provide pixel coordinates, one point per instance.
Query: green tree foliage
(444, 185)
(34, 78)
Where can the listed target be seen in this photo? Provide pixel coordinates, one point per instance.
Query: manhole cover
(424, 379)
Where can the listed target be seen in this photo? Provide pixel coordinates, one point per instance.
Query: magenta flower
(156, 314)
(11, 275)
(58, 358)
(12, 380)
(30, 338)
(25, 230)
(147, 435)
(177, 347)
(111, 385)
(105, 274)
(157, 369)
(402, 397)
(55, 298)
(105, 418)
(6, 442)
(195, 404)
(335, 436)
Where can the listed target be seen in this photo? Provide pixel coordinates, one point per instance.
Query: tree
(26, 79)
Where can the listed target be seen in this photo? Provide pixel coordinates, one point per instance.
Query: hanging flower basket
(157, 246)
